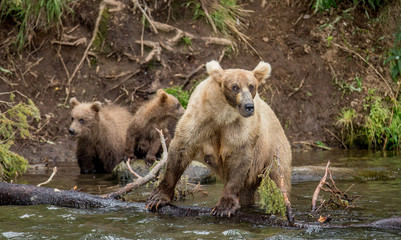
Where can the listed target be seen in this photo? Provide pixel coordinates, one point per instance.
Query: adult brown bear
(232, 130)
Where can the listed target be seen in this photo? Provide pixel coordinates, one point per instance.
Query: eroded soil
(291, 38)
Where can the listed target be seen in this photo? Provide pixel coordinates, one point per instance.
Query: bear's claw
(156, 200)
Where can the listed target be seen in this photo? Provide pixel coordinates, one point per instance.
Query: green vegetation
(13, 121)
(395, 57)
(325, 5)
(382, 127)
(271, 197)
(180, 94)
(347, 129)
(30, 15)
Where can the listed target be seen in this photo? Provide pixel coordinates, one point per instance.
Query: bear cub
(100, 131)
(163, 113)
(232, 130)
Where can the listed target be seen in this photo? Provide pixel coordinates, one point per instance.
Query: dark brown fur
(100, 132)
(162, 112)
(231, 129)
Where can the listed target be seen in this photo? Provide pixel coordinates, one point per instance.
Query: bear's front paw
(157, 199)
(226, 206)
(150, 159)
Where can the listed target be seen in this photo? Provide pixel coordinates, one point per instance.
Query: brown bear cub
(162, 112)
(231, 129)
(101, 133)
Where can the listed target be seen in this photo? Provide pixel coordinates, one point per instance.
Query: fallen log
(21, 194)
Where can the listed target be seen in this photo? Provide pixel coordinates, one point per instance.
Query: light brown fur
(101, 133)
(162, 112)
(231, 129)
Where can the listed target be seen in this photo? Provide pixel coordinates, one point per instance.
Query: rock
(315, 173)
(198, 172)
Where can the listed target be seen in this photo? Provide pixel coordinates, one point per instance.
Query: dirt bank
(302, 51)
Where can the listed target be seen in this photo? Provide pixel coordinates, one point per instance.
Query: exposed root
(95, 31)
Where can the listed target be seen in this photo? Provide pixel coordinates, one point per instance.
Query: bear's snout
(71, 131)
(249, 107)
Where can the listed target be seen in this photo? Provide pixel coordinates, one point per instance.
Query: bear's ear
(74, 102)
(262, 71)
(96, 106)
(214, 70)
(162, 95)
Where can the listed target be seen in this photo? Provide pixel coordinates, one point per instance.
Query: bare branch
(321, 183)
(50, 178)
(150, 176)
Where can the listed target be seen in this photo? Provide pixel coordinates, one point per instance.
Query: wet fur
(214, 130)
(162, 112)
(101, 139)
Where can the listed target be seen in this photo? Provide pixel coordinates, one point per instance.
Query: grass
(345, 122)
(32, 15)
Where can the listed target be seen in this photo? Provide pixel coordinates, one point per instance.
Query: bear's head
(169, 105)
(239, 86)
(84, 117)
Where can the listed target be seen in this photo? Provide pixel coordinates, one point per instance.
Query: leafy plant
(271, 197)
(13, 121)
(376, 120)
(187, 41)
(30, 15)
(180, 94)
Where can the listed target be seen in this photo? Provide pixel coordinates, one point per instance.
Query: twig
(50, 178)
(150, 176)
(95, 30)
(62, 62)
(146, 15)
(335, 137)
(289, 214)
(75, 43)
(312, 144)
(321, 183)
(208, 16)
(32, 65)
(130, 169)
(370, 65)
(296, 89)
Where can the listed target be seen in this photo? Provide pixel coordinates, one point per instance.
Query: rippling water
(377, 179)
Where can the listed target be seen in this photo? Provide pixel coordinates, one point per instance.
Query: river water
(376, 177)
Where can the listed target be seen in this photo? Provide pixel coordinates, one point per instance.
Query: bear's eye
(178, 106)
(235, 88)
(81, 121)
(251, 87)
(72, 119)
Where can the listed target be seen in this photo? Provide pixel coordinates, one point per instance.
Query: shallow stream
(377, 177)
